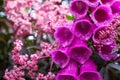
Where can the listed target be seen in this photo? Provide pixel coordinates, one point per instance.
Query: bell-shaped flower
(98, 35)
(88, 71)
(83, 29)
(68, 73)
(115, 6)
(60, 57)
(79, 51)
(64, 36)
(78, 8)
(107, 51)
(102, 15)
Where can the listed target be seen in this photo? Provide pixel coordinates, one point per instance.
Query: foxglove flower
(106, 2)
(107, 52)
(116, 7)
(80, 52)
(78, 8)
(68, 73)
(101, 35)
(92, 3)
(88, 71)
(83, 29)
(96, 34)
(102, 15)
(64, 36)
(60, 57)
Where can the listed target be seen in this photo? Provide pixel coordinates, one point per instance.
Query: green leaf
(70, 17)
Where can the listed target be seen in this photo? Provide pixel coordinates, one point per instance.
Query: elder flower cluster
(23, 63)
(28, 15)
(94, 20)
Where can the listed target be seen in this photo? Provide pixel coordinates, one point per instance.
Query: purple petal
(89, 71)
(116, 7)
(78, 8)
(64, 36)
(96, 34)
(106, 52)
(60, 57)
(106, 2)
(68, 73)
(83, 29)
(90, 76)
(102, 15)
(92, 3)
(80, 52)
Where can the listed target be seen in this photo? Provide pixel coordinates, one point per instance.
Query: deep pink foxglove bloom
(83, 29)
(78, 8)
(96, 34)
(88, 71)
(102, 15)
(60, 57)
(102, 35)
(92, 3)
(68, 73)
(79, 51)
(64, 36)
(116, 7)
(107, 52)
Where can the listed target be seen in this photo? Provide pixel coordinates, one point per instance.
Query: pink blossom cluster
(25, 62)
(16, 11)
(35, 14)
(51, 16)
(47, 47)
(15, 74)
